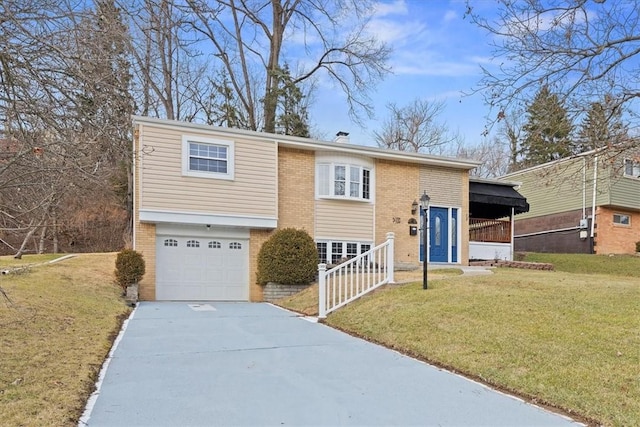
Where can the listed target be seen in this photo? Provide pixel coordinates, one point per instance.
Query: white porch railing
(354, 278)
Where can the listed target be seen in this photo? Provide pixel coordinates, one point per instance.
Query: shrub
(130, 267)
(638, 246)
(288, 257)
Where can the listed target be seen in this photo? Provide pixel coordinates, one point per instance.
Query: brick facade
(397, 182)
(614, 238)
(296, 189)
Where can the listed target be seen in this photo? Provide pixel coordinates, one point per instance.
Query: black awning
(488, 200)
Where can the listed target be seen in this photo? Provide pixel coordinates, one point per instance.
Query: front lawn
(567, 340)
(616, 265)
(55, 332)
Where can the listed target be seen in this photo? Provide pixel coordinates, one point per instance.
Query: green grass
(568, 340)
(54, 335)
(616, 265)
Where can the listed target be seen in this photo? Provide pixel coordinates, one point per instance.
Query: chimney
(342, 137)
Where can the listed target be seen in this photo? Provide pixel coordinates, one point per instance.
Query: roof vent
(342, 137)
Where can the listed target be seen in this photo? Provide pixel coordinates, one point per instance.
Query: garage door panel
(202, 268)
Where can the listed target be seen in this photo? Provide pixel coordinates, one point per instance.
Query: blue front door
(438, 234)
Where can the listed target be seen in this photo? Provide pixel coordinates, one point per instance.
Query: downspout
(584, 188)
(134, 188)
(512, 232)
(593, 203)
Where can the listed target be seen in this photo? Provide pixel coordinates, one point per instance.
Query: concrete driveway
(226, 364)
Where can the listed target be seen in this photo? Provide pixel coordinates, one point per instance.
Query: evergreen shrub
(288, 257)
(130, 267)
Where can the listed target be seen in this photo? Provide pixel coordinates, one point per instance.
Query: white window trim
(230, 175)
(635, 166)
(347, 185)
(343, 254)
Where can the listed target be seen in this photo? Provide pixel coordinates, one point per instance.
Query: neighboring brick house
(206, 198)
(562, 196)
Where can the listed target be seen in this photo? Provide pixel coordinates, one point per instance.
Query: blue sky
(436, 56)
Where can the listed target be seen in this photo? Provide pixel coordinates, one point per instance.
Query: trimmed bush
(130, 267)
(288, 257)
(638, 246)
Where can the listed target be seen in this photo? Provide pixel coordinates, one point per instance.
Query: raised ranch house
(206, 198)
(564, 196)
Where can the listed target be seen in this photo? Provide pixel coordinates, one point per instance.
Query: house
(564, 196)
(206, 198)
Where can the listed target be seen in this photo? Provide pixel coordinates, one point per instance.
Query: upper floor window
(631, 168)
(344, 181)
(207, 158)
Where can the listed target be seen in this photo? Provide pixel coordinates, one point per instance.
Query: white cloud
(437, 68)
(396, 33)
(450, 15)
(398, 7)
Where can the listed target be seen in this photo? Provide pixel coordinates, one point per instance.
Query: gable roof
(318, 145)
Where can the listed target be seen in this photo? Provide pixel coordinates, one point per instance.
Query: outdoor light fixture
(414, 207)
(424, 203)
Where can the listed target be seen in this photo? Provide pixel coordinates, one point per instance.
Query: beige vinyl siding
(344, 220)
(252, 192)
(444, 186)
(625, 192)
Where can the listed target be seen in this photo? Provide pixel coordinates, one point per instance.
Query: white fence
(354, 278)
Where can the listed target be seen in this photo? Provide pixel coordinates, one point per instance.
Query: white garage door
(202, 268)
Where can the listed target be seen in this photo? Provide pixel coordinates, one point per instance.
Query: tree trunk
(55, 233)
(43, 233)
(31, 232)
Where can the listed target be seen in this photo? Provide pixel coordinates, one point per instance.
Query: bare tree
(584, 49)
(415, 127)
(252, 39)
(61, 110)
(494, 155)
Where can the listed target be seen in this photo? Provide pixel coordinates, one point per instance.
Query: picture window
(351, 182)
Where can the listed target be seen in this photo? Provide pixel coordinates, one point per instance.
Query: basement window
(622, 219)
(332, 252)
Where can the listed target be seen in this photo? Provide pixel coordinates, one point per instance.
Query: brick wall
(296, 189)
(256, 239)
(614, 238)
(397, 186)
(146, 245)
